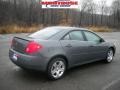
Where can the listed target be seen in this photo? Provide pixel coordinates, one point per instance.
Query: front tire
(110, 56)
(56, 68)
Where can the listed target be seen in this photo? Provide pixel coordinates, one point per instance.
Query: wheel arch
(113, 48)
(60, 56)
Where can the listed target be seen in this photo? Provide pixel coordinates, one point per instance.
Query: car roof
(68, 28)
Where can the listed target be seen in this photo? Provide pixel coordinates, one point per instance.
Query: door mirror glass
(101, 40)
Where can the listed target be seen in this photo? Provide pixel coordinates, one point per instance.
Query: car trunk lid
(19, 44)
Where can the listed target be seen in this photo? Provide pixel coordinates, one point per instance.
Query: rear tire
(56, 68)
(110, 55)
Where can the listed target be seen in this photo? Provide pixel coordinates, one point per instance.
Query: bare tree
(28, 12)
(102, 5)
(116, 12)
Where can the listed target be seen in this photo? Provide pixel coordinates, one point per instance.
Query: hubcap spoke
(58, 69)
(110, 56)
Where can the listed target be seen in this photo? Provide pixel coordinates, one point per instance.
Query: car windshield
(44, 33)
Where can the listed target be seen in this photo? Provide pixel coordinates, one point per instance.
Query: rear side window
(67, 37)
(74, 35)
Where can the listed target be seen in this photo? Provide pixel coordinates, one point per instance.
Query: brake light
(33, 47)
(12, 42)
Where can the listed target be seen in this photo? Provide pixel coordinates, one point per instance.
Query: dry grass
(93, 28)
(100, 29)
(65, 23)
(28, 29)
(19, 29)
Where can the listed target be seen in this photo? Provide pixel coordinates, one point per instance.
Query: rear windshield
(44, 33)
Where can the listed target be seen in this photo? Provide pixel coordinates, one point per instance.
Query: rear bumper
(29, 62)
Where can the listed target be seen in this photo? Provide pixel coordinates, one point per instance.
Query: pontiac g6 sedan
(55, 49)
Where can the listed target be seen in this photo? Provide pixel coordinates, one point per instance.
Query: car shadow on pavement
(36, 76)
(85, 67)
(31, 75)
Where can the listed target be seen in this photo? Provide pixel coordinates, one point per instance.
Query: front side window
(92, 37)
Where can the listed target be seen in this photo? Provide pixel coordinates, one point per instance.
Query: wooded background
(28, 12)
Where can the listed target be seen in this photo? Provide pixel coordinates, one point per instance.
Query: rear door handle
(92, 45)
(69, 46)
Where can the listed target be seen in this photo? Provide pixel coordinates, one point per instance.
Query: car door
(96, 46)
(75, 47)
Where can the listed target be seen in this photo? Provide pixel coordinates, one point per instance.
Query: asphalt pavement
(93, 76)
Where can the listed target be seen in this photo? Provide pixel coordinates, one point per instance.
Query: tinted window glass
(45, 33)
(67, 37)
(92, 37)
(76, 35)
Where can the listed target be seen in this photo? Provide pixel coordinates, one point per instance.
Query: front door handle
(69, 46)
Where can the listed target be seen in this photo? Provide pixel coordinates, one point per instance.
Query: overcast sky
(108, 2)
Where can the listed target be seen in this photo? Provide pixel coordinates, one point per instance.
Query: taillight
(33, 47)
(12, 42)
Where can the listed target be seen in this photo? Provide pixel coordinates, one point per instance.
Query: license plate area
(15, 57)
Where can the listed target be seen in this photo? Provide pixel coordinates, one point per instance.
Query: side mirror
(101, 40)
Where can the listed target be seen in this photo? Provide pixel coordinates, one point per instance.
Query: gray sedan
(55, 49)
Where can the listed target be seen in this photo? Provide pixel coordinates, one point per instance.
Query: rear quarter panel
(50, 48)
